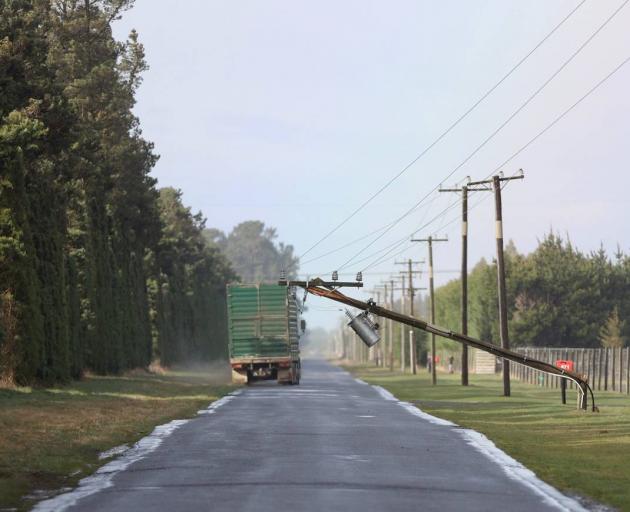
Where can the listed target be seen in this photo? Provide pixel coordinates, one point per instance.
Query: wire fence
(606, 369)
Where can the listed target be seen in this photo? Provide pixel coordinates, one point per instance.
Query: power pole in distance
(402, 329)
(376, 352)
(391, 327)
(410, 273)
(430, 241)
(464, 273)
(402, 277)
(503, 316)
(385, 352)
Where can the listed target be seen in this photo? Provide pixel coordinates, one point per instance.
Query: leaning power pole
(495, 183)
(464, 273)
(430, 241)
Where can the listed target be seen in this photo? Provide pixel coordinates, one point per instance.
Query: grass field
(50, 438)
(580, 452)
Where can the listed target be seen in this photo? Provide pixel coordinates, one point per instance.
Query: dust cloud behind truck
(264, 333)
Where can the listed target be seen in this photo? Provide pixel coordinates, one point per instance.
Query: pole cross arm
(319, 282)
(501, 178)
(486, 346)
(429, 240)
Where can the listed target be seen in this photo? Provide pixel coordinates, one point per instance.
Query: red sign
(565, 364)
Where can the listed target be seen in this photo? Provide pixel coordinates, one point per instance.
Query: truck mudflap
(239, 376)
(290, 375)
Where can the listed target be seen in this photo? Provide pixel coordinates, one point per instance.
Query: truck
(264, 331)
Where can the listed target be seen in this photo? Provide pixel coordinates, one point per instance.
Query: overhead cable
(542, 132)
(444, 133)
(494, 133)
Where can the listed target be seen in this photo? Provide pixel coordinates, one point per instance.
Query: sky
(295, 113)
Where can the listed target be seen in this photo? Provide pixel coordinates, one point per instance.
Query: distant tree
(253, 252)
(557, 296)
(610, 333)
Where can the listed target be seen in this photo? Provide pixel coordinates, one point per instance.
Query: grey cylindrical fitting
(365, 328)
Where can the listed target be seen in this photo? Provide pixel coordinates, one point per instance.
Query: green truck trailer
(264, 332)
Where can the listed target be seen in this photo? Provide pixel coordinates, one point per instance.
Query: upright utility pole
(412, 348)
(410, 273)
(402, 330)
(464, 273)
(503, 314)
(377, 350)
(391, 327)
(430, 241)
(384, 348)
(403, 310)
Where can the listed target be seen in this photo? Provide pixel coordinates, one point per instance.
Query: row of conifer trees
(99, 270)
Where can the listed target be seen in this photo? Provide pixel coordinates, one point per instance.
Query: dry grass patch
(52, 437)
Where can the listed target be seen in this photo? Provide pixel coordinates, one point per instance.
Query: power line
(399, 242)
(388, 254)
(356, 240)
(495, 132)
(410, 245)
(444, 133)
(402, 240)
(527, 144)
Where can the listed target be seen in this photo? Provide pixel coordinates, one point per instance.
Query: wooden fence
(607, 369)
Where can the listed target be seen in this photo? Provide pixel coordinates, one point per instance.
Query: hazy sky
(295, 112)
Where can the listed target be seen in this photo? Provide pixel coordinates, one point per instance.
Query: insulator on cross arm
(359, 277)
(335, 275)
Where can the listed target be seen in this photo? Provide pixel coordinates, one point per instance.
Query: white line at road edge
(103, 477)
(512, 467)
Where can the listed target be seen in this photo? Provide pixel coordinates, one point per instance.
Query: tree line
(558, 296)
(99, 270)
(253, 251)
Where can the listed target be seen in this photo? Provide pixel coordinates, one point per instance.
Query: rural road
(332, 443)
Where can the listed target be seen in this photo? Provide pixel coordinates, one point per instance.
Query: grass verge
(577, 452)
(50, 438)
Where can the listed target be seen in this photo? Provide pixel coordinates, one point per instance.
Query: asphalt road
(331, 443)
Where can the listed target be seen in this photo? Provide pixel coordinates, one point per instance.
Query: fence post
(606, 369)
(621, 370)
(547, 359)
(612, 373)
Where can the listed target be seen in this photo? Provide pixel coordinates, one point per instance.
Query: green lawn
(50, 438)
(580, 452)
